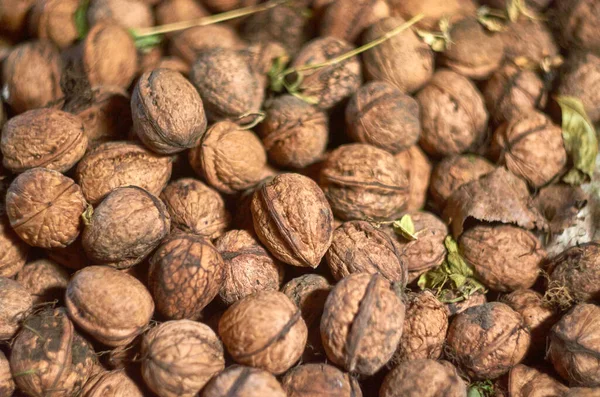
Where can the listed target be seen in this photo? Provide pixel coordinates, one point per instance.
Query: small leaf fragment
(492, 19)
(513, 10)
(438, 41)
(405, 227)
(80, 17)
(146, 43)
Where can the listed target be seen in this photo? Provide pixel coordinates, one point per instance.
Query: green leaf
(80, 17)
(459, 280)
(474, 392)
(433, 279)
(580, 140)
(146, 43)
(450, 244)
(405, 227)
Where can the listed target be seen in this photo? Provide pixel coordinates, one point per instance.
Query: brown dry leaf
(560, 204)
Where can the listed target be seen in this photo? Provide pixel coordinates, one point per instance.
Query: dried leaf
(437, 42)
(493, 20)
(560, 204)
(513, 10)
(405, 227)
(80, 16)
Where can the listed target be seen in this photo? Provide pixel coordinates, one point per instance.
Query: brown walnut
(111, 384)
(13, 15)
(317, 380)
(72, 256)
(190, 43)
(524, 381)
(434, 10)
(417, 167)
(54, 20)
(7, 383)
(15, 306)
(476, 299)
(45, 280)
(171, 11)
(13, 250)
(244, 382)
(580, 78)
(578, 21)
(528, 40)
(130, 14)
(423, 378)
(577, 270)
(347, 19)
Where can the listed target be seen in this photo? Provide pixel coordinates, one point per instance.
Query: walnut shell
(577, 270)
(404, 61)
(49, 355)
(110, 305)
(486, 341)
(168, 115)
(362, 323)
(316, 380)
(13, 250)
(190, 43)
(54, 20)
(129, 14)
(171, 11)
(294, 133)
(528, 39)
(13, 15)
(417, 167)
(346, 19)
(331, 84)
(186, 273)
(579, 79)
(218, 6)
(7, 383)
(15, 306)
(582, 392)
(578, 21)
(453, 114)
(44, 208)
(244, 382)
(111, 384)
(362, 181)
(264, 330)
(180, 358)
(45, 280)
(476, 299)
(360, 247)
(31, 76)
(173, 63)
(115, 164)
(293, 219)
(524, 381)
(434, 10)
(230, 158)
(72, 256)
(423, 378)
(128, 224)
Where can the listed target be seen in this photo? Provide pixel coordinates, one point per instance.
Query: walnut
(72, 256)
(31, 76)
(13, 250)
(180, 357)
(190, 43)
(474, 335)
(173, 63)
(49, 355)
(110, 305)
(45, 280)
(186, 273)
(294, 133)
(562, 205)
(528, 39)
(13, 15)
(111, 384)
(293, 219)
(524, 381)
(171, 11)
(168, 115)
(453, 114)
(346, 19)
(434, 10)
(230, 158)
(7, 383)
(578, 21)
(53, 20)
(128, 224)
(218, 6)
(315, 380)
(580, 78)
(582, 392)
(476, 299)
(417, 167)
(362, 181)
(244, 381)
(115, 164)
(15, 306)
(264, 330)
(129, 14)
(423, 378)
(404, 61)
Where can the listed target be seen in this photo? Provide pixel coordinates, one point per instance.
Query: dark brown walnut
(45, 280)
(512, 91)
(7, 383)
(346, 19)
(49, 355)
(424, 330)
(243, 381)
(31, 76)
(486, 341)
(476, 299)
(362, 181)
(379, 114)
(294, 133)
(54, 20)
(190, 43)
(560, 204)
(228, 85)
(578, 21)
(581, 79)
(417, 167)
(111, 384)
(453, 172)
(315, 380)
(130, 14)
(404, 61)
(249, 268)
(127, 225)
(576, 271)
(528, 40)
(72, 256)
(423, 378)
(171, 11)
(531, 146)
(504, 257)
(115, 164)
(263, 56)
(362, 323)
(434, 10)
(574, 346)
(180, 357)
(231, 159)
(44, 208)
(292, 218)
(15, 306)
(329, 85)
(196, 208)
(13, 15)
(46, 138)
(361, 247)
(186, 273)
(13, 250)
(524, 381)
(453, 114)
(264, 330)
(111, 306)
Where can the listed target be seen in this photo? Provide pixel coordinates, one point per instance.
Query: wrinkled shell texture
(362, 323)
(292, 218)
(182, 356)
(195, 208)
(171, 11)
(331, 84)
(114, 164)
(189, 43)
(360, 247)
(538, 315)
(404, 61)
(476, 299)
(13, 250)
(453, 114)
(434, 10)
(53, 20)
(423, 378)
(346, 19)
(581, 79)
(486, 341)
(110, 305)
(317, 380)
(167, 111)
(111, 384)
(577, 270)
(125, 227)
(7, 384)
(44, 279)
(309, 292)
(45, 138)
(529, 39)
(417, 166)
(362, 181)
(578, 21)
(264, 330)
(294, 133)
(529, 382)
(127, 13)
(72, 256)
(230, 158)
(186, 273)
(244, 382)
(15, 305)
(379, 114)
(531, 147)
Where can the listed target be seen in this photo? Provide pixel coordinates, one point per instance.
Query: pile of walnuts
(299, 198)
